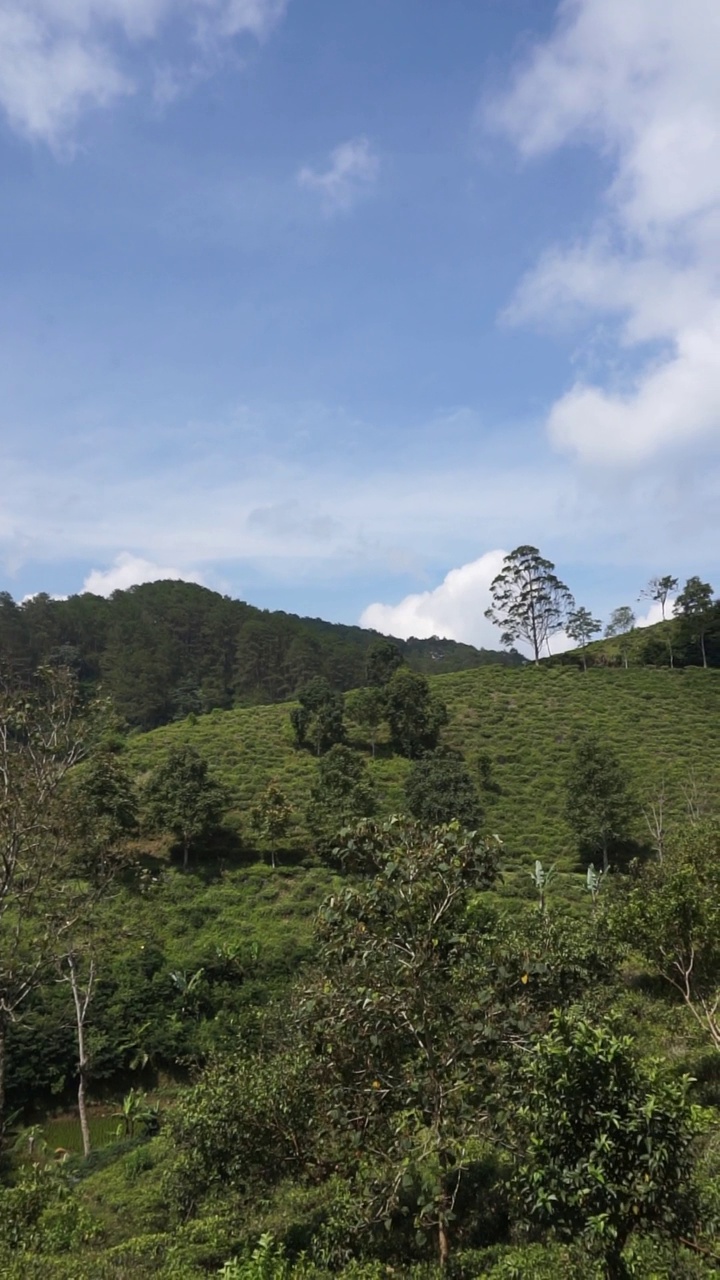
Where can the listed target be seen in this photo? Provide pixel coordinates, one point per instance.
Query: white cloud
(654, 613)
(129, 571)
(60, 57)
(639, 81)
(454, 610)
(354, 167)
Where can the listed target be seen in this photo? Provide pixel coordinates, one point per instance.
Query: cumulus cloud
(454, 610)
(353, 168)
(60, 57)
(639, 82)
(129, 571)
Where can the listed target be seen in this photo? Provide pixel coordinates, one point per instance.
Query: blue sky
(327, 304)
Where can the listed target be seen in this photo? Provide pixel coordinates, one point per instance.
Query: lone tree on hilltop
(528, 600)
(694, 607)
(658, 590)
(581, 627)
(621, 624)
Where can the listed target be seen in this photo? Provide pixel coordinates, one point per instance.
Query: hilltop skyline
(328, 306)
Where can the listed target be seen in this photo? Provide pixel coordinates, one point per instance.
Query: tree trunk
(443, 1244)
(81, 1008)
(186, 854)
(584, 661)
(702, 647)
(606, 860)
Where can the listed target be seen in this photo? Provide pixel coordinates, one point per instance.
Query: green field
(663, 725)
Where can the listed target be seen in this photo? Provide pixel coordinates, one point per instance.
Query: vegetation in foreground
(335, 1040)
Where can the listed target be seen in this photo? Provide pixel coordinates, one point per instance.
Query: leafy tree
(44, 732)
(381, 662)
(694, 606)
(271, 817)
(598, 805)
(402, 1033)
(342, 794)
(528, 600)
(319, 717)
(439, 788)
(183, 798)
(246, 1124)
(622, 622)
(366, 708)
(414, 714)
(671, 917)
(658, 589)
(603, 1142)
(581, 627)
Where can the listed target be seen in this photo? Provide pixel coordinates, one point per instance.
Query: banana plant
(541, 879)
(593, 883)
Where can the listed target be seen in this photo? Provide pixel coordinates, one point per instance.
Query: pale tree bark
(81, 999)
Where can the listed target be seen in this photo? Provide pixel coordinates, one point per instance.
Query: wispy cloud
(354, 168)
(639, 82)
(59, 58)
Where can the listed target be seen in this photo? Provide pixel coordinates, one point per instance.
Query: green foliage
(694, 606)
(366, 708)
(671, 917)
(318, 720)
(603, 1143)
(382, 661)
(439, 789)
(247, 1124)
(529, 601)
(183, 798)
(342, 794)
(598, 802)
(581, 627)
(415, 715)
(402, 1031)
(271, 816)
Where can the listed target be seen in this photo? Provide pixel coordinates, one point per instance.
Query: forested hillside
(165, 649)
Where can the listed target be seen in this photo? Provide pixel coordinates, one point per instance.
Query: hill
(165, 649)
(662, 724)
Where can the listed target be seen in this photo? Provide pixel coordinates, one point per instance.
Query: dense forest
(421, 978)
(165, 649)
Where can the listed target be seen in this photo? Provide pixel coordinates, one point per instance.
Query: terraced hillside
(664, 725)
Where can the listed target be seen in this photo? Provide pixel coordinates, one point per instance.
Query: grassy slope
(663, 724)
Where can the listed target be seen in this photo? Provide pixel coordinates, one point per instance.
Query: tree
(528, 601)
(401, 1032)
(183, 798)
(658, 589)
(381, 662)
(44, 732)
(319, 717)
(671, 917)
(271, 817)
(366, 708)
(598, 806)
(603, 1142)
(415, 716)
(581, 627)
(439, 788)
(694, 606)
(342, 794)
(106, 808)
(622, 623)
